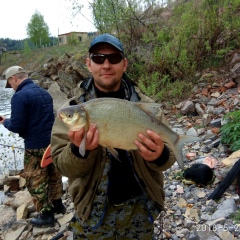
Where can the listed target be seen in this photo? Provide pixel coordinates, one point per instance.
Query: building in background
(72, 38)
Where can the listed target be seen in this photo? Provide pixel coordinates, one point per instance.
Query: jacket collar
(90, 93)
(24, 83)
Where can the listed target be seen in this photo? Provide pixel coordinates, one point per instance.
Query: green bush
(230, 132)
(161, 89)
(236, 217)
(198, 35)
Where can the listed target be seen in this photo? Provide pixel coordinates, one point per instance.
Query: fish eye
(69, 115)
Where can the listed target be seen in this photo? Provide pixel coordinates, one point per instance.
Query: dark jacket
(32, 115)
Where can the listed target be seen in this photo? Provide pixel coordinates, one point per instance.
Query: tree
(27, 48)
(2, 50)
(38, 30)
(126, 19)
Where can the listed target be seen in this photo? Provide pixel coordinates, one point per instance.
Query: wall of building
(67, 38)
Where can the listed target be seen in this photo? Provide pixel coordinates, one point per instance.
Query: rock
(187, 107)
(192, 214)
(65, 219)
(22, 182)
(19, 198)
(15, 234)
(225, 209)
(232, 159)
(191, 155)
(22, 212)
(23, 230)
(8, 217)
(59, 97)
(182, 202)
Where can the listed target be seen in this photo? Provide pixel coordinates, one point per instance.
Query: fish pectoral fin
(150, 108)
(114, 153)
(82, 147)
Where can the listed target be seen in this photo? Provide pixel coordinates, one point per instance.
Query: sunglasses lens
(98, 58)
(112, 58)
(115, 58)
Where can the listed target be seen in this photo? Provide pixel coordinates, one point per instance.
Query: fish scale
(118, 135)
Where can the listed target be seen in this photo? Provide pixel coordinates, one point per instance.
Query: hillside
(34, 60)
(38, 60)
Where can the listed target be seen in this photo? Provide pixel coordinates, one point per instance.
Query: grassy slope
(35, 59)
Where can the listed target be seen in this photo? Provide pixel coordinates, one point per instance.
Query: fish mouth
(60, 115)
(63, 116)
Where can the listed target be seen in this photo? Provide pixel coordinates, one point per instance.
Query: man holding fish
(113, 147)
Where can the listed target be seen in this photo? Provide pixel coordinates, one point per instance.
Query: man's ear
(88, 63)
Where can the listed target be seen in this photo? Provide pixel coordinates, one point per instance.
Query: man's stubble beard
(108, 86)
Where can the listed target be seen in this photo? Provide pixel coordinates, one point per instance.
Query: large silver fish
(119, 122)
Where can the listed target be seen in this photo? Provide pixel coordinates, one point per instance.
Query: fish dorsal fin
(149, 108)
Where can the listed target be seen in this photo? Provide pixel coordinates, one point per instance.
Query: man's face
(107, 76)
(13, 82)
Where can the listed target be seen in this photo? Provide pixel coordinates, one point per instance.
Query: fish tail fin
(177, 147)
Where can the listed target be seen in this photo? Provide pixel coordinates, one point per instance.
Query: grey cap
(11, 72)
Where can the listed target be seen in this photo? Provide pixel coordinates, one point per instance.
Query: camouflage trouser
(125, 222)
(44, 184)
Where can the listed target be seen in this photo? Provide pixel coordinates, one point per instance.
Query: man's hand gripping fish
(119, 122)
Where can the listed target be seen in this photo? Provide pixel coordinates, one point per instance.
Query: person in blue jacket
(32, 117)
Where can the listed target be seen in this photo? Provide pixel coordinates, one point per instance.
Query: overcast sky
(16, 14)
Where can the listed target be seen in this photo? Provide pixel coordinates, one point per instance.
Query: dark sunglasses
(113, 58)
